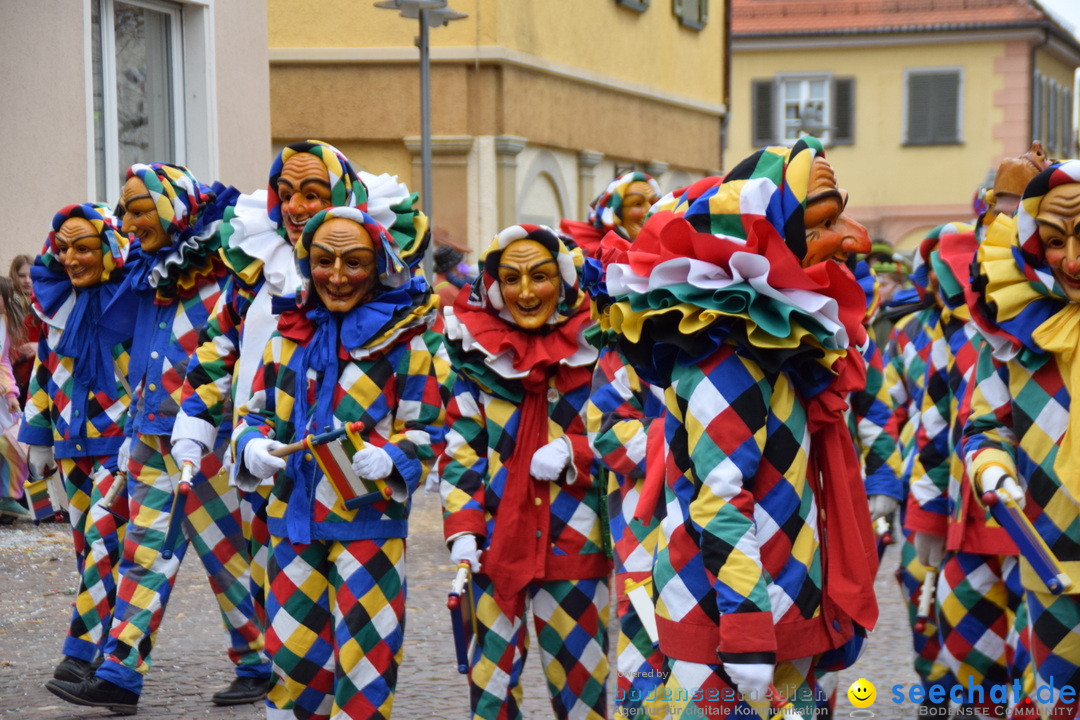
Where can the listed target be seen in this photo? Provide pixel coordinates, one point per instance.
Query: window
(933, 107)
(691, 13)
(152, 89)
(138, 81)
(787, 107)
(1052, 116)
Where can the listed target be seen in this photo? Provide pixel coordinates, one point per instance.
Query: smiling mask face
(78, 246)
(139, 216)
(1059, 230)
(343, 268)
(529, 281)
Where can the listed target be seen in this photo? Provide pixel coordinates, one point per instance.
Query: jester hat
(921, 264)
(346, 189)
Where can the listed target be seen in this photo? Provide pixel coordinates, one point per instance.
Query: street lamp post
(431, 13)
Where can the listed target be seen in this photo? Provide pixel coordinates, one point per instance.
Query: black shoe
(72, 669)
(243, 690)
(96, 692)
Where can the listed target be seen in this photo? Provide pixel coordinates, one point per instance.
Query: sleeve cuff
(194, 429)
(747, 637)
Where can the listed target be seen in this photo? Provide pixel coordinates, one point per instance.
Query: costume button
(154, 355)
(78, 447)
(151, 416)
(538, 533)
(307, 456)
(76, 413)
(152, 386)
(539, 502)
(836, 625)
(163, 325)
(552, 395)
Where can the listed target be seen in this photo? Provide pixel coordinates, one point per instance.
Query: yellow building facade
(988, 91)
(535, 105)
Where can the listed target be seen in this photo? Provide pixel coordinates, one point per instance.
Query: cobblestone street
(189, 662)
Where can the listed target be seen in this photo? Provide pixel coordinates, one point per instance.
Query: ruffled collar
(255, 248)
(681, 293)
(1011, 304)
(370, 326)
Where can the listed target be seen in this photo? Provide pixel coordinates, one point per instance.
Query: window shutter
(843, 119)
(763, 94)
(933, 102)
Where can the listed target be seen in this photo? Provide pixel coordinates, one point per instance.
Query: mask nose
(856, 238)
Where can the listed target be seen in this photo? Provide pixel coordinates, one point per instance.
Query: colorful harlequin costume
(332, 570)
(542, 541)
(78, 405)
(979, 598)
(1021, 421)
(712, 303)
(907, 357)
(165, 300)
(257, 251)
(625, 424)
(605, 213)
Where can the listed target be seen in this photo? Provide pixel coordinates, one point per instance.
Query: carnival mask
(830, 235)
(139, 216)
(342, 258)
(529, 281)
(78, 247)
(304, 189)
(1059, 229)
(637, 200)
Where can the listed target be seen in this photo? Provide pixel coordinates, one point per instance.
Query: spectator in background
(24, 334)
(451, 272)
(12, 473)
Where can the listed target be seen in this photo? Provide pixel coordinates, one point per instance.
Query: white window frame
(779, 112)
(193, 81)
(958, 71)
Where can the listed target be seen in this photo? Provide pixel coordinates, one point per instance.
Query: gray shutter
(843, 111)
(933, 101)
(763, 97)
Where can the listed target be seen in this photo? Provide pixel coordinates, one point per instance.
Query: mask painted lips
(528, 309)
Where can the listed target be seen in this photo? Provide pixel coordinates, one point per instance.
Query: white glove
(42, 460)
(123, 457)
(188, 450)
(549, 461)
(929, 548)
(464, 549)
(881, 506)
(995, 478)
(752, 680)
(372, 463)
(260, 463)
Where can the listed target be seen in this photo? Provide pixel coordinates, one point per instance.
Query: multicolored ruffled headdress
(392, 271)
(921, 265)
(190, 213)
(346, 190)
(724, 262)
(1017, 288)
